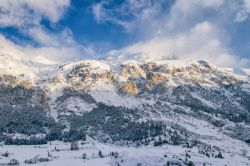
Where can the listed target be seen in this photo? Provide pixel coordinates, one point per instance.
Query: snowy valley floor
(61, 155)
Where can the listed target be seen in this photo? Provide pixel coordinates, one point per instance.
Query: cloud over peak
(200, 42)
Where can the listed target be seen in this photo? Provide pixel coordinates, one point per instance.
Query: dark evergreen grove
(20, 113)
(118, 123)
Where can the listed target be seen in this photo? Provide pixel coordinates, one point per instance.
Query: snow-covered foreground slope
(144, 110)
(59, 153)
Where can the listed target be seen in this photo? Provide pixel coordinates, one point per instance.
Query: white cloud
(99, 11)
(247, 4)
(102, 15)
(199, 43)
(188, 32)
(241, 16)
(187, 7)
(26, 16)
(55, 54)
(30, 12)
(51, 9)
(188, 12)
(46, 38)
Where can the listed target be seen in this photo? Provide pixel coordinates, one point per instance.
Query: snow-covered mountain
(191, 105)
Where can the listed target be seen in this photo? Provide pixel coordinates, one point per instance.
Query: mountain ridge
(136, 103)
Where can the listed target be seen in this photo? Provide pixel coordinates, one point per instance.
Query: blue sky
(214, 30)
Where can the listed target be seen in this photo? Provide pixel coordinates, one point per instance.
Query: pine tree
(100, 154)
(84, 156)
(220, 155)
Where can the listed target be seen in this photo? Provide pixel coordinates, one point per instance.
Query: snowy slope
(127, 156)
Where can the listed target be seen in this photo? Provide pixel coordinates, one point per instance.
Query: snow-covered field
(59, 154)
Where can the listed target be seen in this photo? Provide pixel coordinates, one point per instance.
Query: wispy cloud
(244, 11)
(129, 14)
